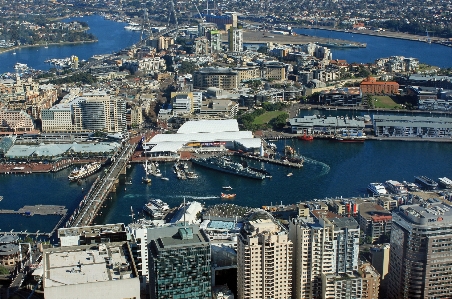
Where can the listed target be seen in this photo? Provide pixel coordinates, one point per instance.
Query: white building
(235, 39)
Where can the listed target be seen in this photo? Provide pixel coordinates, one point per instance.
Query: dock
(38, 210)
(273, 161)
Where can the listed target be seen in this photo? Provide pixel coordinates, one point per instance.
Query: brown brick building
(370, 85)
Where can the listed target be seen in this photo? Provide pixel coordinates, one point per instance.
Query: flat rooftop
(91, 230)
(87, 264)
(427, 214)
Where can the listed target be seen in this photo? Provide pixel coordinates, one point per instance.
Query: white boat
(164, 178)
(227, 187)
(156, 208)
(290, 174)
(84, 171)
(377, 189)
(445, 182)
(395, 187)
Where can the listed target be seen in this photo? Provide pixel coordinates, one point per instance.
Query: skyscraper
(420, 263)
(264, 259)
(235, 39)
(325, 244)
(179, 263)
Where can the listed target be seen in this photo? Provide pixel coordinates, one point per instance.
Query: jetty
(286, 163)
(38, 210)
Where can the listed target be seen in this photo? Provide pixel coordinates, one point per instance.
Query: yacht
(395, 187)
(377, 189)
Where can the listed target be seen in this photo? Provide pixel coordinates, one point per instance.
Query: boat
(146, 180)
(226, 165)
(350, 136)
(227, 196)
(377, 189)
(84, 171)
(191, 175)
(227, 187)
(445, 182)
(290, 174)
(156, 208)
(306, 137)
(395, 187)
(426, 183)
(21, 66)
(411, 186)
(164, 178)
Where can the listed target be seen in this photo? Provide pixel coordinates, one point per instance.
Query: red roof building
(370, 85)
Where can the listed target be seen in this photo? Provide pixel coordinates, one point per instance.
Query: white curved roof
(201, 137)
(209, 126)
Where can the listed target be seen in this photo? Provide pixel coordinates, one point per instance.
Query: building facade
(370, 85)
(16, 121)
(420, 259)
(264, 259)
(235, 39)
(224, 78)
(179, 263)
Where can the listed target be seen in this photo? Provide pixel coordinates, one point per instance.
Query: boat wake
(194, 197)
(325, 168)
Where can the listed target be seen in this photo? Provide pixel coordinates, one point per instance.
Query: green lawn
(266, 117)
(385, 102)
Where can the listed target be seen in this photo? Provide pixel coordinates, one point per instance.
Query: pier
(38, 210)
(101, 188)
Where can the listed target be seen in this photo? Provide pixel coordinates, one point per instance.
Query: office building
(420, 260)
(374, 220)
(179, 263)
(264, 259)
(90, 271)
(235, 40)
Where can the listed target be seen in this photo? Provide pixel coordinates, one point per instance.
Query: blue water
(111, 37)
(379, 47)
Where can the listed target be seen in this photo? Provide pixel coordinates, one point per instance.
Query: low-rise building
(412, 126)
(347, 96)
(95, 234)
(374, 220)
(370, 85)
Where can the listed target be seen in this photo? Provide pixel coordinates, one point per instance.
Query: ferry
(377, 189)
(426, 182)
(156, 208)
(395, 187)
(226, 165)
(84, 171)
(350, 136)
(445, 182)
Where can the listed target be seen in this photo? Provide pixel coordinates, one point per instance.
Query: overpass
(101, 188)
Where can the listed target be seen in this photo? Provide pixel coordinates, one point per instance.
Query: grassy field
(266, 117)
(385, 102)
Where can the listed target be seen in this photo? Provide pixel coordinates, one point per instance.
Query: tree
(3, 270)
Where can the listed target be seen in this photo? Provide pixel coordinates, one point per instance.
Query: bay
(111, 37)
(381, 47)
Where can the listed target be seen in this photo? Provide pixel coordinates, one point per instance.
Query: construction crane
(200, 15)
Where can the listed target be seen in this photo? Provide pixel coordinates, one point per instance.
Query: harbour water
(111, 37)
(331, 169)
(379, 47)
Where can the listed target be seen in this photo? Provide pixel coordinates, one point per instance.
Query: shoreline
(5, 50)
(387, 34)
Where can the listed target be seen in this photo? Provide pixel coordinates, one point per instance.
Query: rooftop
(87, 264)
(427, 214)
(91, 230)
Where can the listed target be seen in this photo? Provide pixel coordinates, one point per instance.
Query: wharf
(273, 161)
(38, 210)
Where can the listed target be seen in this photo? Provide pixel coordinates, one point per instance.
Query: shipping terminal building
(202, 136)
